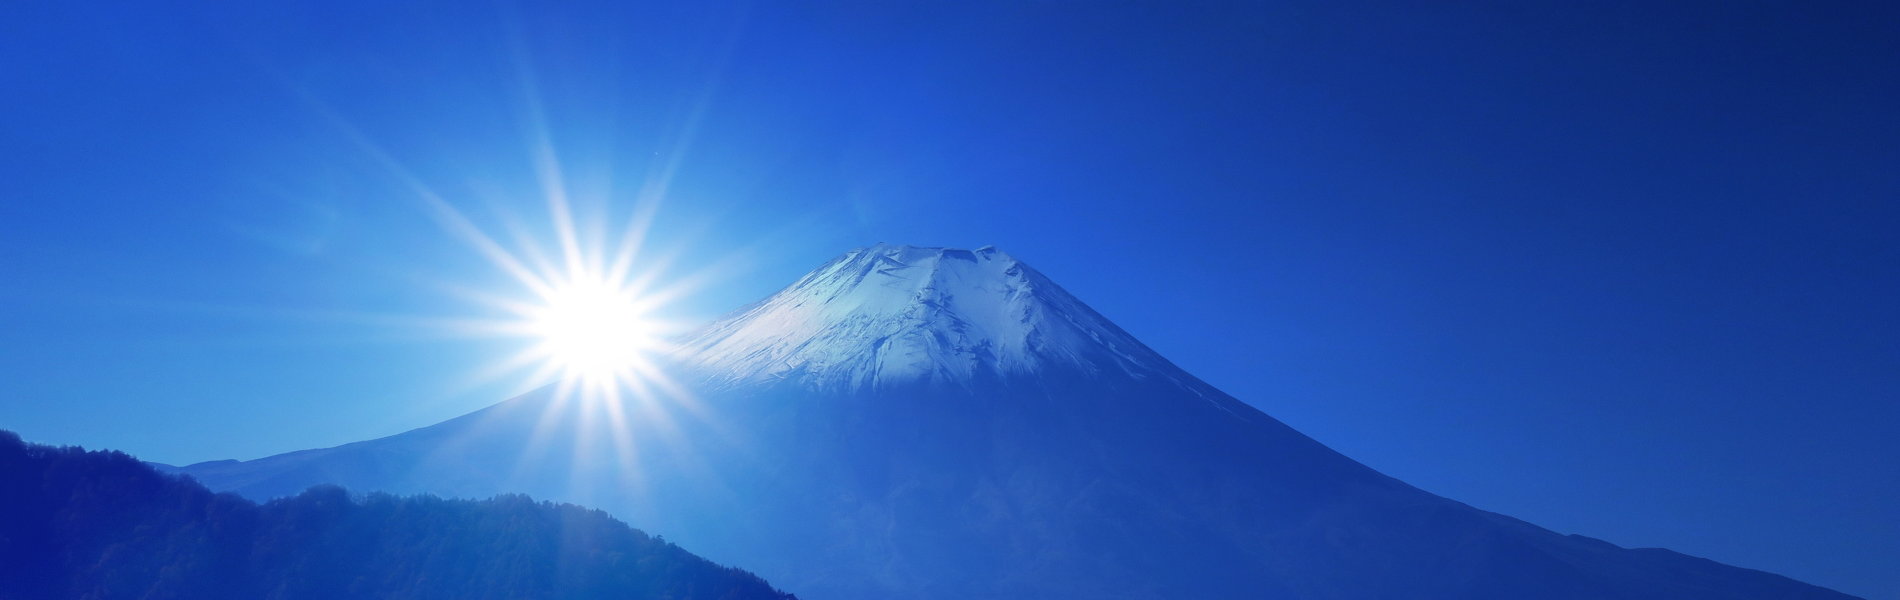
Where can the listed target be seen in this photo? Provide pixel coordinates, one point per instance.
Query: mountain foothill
(901, 422)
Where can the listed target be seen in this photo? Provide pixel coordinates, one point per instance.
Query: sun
(589, 324)
(593, 330)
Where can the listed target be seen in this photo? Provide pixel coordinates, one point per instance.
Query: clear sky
(1618, 269)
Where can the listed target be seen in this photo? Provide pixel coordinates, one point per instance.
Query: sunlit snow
(897, 314)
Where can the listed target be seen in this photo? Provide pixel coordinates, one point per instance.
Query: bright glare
(589, 317)
(593, 330)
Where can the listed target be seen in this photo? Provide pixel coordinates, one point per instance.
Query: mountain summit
(894, 315)
(937, 424)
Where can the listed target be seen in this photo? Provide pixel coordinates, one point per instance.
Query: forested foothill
(102, 525)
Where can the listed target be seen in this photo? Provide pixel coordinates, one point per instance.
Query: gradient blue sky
(1617, 269)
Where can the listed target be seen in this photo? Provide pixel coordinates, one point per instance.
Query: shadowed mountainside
(78, 524)
(942, 424)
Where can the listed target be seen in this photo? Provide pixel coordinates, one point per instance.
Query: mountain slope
(941, 423)
(77, 524)
(892, 315)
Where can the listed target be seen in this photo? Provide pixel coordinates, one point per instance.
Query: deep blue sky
(1617, 269)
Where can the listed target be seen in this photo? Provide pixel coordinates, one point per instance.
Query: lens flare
(593, 330)
(586, 308)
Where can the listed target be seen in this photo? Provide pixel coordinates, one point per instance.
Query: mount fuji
(938, 423)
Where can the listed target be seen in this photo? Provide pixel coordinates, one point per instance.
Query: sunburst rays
(584, 310)
(585, 288)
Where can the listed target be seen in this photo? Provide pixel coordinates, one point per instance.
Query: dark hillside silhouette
(79, 524)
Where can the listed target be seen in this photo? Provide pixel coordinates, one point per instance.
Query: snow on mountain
(889, 315)
(939, 424)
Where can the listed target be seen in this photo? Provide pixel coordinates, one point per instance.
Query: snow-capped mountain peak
(891, 314)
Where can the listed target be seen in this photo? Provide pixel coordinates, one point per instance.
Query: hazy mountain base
(1018, 489)
(944, 424)
(101, 525)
